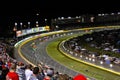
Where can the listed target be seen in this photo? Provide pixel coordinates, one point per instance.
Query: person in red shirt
(12, 75)
(79, 77)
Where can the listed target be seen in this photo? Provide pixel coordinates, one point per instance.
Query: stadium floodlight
(37, 22)
(99, 14)
(118, 12)
(77, 17)
(58, 18)
(21, 23)
(112, 13)
(69, 17)
(28, 22)
(45, 19)
(103, 14)
(37, 14)
(62, 17)
(57, 26)
(15, 23)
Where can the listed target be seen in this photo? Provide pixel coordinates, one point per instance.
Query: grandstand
(90, 20)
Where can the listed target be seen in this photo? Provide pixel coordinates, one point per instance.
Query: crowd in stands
(106, 43)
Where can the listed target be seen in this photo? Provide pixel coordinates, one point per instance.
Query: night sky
(25, 10)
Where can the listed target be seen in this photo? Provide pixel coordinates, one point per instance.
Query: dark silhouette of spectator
(4, 73)
(36, 74)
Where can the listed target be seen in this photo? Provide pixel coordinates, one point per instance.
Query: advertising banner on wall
(32, 30)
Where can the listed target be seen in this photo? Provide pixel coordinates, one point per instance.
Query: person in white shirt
(28, 71)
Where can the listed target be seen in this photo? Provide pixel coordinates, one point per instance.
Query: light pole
(15, 29)
(28, 24)
(37, 19)
(21, 28)
(46, 22)
(37, 24)
(21, 25)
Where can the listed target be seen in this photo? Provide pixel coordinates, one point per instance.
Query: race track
(40, 55)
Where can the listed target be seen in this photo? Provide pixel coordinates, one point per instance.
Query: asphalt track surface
(41, 55)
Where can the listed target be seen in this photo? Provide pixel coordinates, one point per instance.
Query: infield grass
(85, 69)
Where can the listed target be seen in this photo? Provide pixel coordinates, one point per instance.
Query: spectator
(12, 75)
(79, 77)
(21, 71)
(28, 71)
(36, 74)
(4, 73)
(46, 78)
